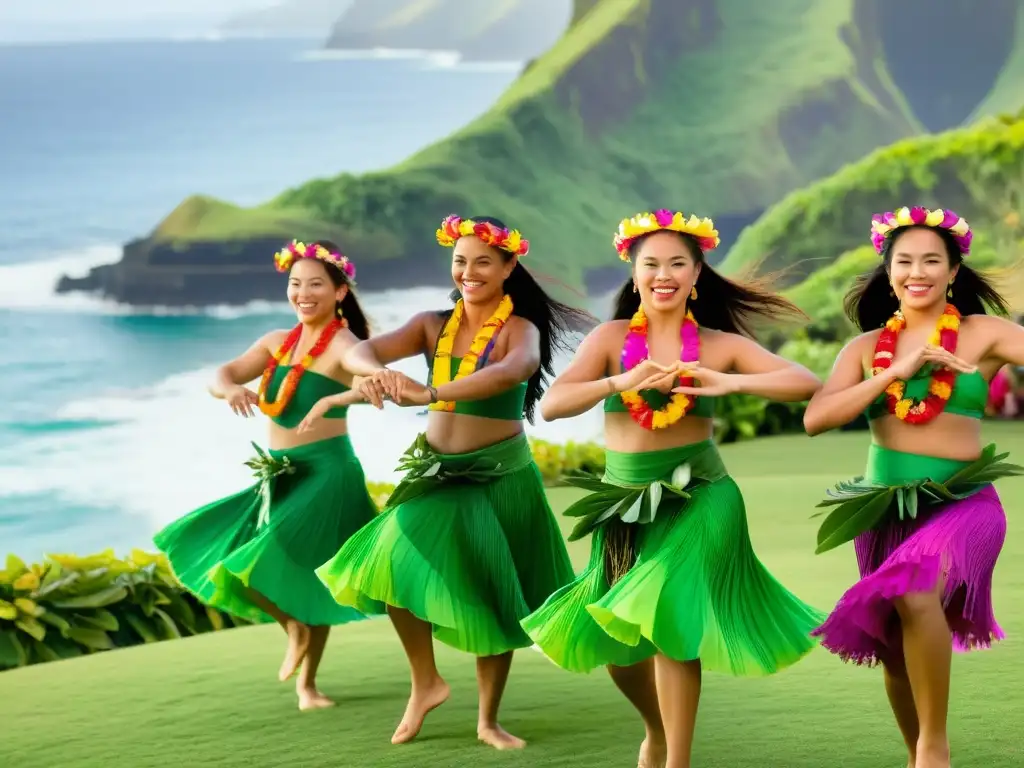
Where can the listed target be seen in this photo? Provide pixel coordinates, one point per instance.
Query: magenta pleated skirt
(956, 545)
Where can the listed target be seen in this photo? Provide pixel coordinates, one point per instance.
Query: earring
(693, 292)
(634, 287)
(892, 291)
(949, 291)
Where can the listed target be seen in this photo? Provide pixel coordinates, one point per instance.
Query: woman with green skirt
(254, 554)
(673, 586)
(467, 545)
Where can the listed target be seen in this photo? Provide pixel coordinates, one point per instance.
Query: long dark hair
(871, 301)
(721, 304)
(555, 321)
(349, 306)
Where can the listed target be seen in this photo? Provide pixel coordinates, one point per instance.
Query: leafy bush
(70, 606)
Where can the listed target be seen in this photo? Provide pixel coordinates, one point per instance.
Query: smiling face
(480, 270)
(312, 292)
(665, 269)
(920, 269)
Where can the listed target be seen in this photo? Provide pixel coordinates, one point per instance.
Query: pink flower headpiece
(883, 224)
(454, 227)
(284, 258)
(703, 230)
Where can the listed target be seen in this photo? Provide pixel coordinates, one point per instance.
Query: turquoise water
(107, 432)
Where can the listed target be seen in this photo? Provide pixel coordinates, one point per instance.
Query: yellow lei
(442, 366)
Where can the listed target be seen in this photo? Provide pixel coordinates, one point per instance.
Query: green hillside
(720, 106)
(821, 232)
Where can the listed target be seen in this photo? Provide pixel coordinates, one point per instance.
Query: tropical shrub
(69, 606)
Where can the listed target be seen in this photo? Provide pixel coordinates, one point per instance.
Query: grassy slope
(978, 171)
(713, 111)
(213, 701)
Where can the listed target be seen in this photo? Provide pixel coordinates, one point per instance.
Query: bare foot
(498, 737)
(421, 702)
(311, 698)
(298, 644)
(654, 753)
(933, 757)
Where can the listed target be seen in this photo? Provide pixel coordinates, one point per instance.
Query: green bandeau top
(970, 395)
(507, 405)
(704, 408)
(312, 386)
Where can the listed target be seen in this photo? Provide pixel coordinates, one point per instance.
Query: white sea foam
(163, 450)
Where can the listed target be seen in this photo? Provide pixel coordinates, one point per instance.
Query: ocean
(107, 432)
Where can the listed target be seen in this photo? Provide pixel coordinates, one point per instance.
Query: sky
(28, 20)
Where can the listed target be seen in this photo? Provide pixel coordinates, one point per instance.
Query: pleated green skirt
(224, 550)
(471, 557)
(695, 591)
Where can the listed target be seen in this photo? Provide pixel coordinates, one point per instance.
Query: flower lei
(284, 258)
(635, 351)
(940, 388)
(882, 225)
(479, 351)
(453, 227)
(644, 223)
(291, 381)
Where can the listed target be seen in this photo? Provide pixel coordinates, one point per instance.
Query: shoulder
(988, 324)
(613, 330)
(274, 339)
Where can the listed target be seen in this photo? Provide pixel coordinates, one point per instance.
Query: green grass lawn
(213, 701)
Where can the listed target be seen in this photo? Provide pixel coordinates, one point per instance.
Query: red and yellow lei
(635, 351)
(291, 381)
(946, 334)
(475, 358)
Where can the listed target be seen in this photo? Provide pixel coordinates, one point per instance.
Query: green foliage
(68, 606)
(977, 171)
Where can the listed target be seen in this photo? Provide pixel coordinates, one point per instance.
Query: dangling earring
(634, 287)
(340, 312)
(949, 291)
(693, 292)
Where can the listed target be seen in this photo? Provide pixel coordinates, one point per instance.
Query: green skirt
(693, 587)
(272, 536)
(467, 543)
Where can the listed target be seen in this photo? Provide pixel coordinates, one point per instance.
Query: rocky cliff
(291, 17)
(717, 106)
(501, 30)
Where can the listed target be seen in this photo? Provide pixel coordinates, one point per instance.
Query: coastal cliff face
(503, 30)
(721, 107)
(305, 17)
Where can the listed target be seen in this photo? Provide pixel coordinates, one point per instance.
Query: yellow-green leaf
(29, 607)
(27, 581)
(15, 566)
(12, 651)
(216, 620)
(101, 599)
(8, 611)
(31, 627)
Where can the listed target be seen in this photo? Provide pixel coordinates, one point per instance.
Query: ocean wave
(32, 286)
(160, 451)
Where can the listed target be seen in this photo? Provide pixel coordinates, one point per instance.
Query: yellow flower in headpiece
(703, 230)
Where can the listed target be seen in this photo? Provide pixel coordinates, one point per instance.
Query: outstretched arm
(581, 385)
(1009, 341)
(519, 364)
(373, 355)
(764, 374)
(244, 368)
(847, 393)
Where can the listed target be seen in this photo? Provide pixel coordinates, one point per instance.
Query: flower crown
(883, 224)
(644, 223)
(284, 258)
(454, 227)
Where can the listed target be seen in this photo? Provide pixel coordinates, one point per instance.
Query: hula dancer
(254, 554)
(673, 585)
(926, 522)
(467, 545)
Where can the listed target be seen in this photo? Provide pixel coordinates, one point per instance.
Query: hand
(712, 383)
(392, 383)
(372, 392)
(320, 407)
(242, 400)
(647, 375)
(416, 394)
(905, 367)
